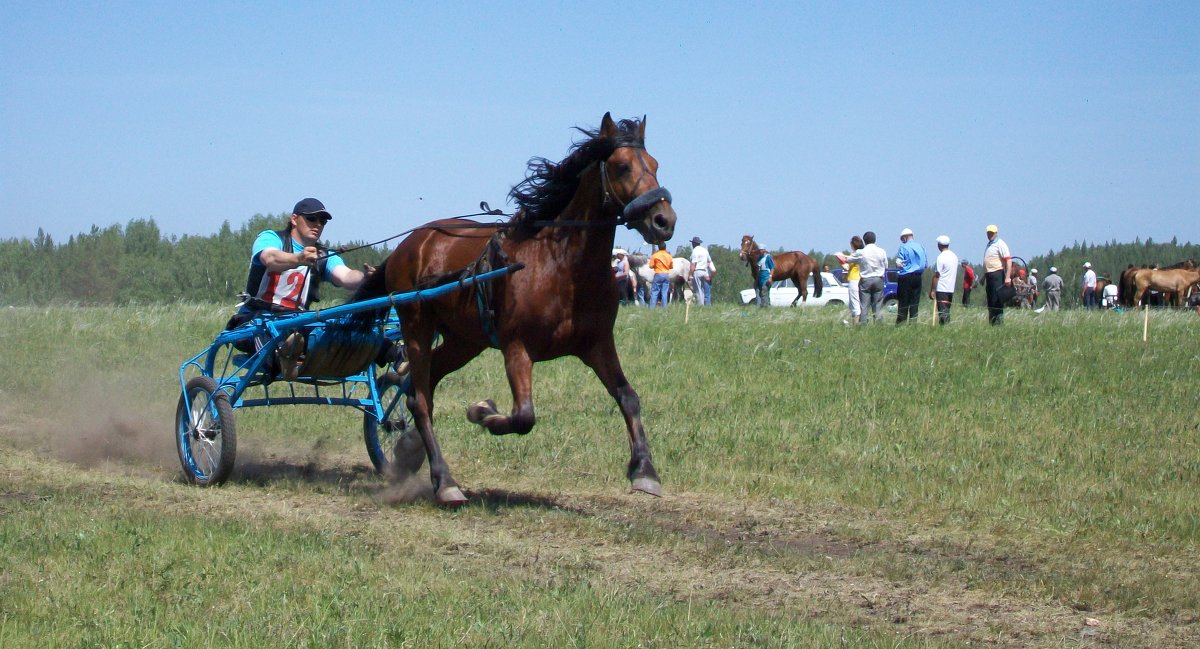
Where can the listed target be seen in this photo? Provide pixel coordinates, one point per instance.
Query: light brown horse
(1175, 281)
(563, 303)
(795, 266)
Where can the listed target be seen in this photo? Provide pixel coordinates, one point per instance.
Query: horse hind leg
(426, 369)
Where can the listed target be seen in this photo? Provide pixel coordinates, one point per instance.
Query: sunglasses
(316, 218)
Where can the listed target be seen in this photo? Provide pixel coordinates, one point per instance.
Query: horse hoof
(479, 411)
(451, 497)
(648, 486)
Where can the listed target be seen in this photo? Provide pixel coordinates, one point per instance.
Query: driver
(286, 269)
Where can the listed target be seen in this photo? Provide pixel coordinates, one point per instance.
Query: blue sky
(799, 123)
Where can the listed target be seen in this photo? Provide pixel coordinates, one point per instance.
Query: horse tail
(818, 280)
(374, 285)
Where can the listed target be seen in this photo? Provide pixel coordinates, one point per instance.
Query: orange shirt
(661, 262)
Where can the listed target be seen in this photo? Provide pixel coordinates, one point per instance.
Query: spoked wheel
(204, 432)
(380, 436)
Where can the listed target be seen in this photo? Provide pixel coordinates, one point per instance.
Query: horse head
(748, 250)
(629, 176)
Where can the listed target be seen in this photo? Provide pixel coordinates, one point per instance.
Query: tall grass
(1053, 460)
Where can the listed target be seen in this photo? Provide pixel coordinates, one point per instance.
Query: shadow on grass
(264, 473)
(494, 500)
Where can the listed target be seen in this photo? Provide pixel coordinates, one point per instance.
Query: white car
(784, 291)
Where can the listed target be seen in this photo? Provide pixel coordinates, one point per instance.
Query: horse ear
(642, 129)
(607, 127)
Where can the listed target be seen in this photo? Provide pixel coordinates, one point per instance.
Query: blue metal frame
(238, 371)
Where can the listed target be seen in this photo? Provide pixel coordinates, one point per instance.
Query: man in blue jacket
(911, 261)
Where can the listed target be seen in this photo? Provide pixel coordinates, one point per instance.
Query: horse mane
(548, 186)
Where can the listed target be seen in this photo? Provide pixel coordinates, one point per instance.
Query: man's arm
(277, 260)
(346, 277)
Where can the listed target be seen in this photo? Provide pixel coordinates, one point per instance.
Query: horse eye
(622, 168)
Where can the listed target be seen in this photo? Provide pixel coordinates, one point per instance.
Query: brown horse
(563, 303)
(1127, 288)
(795, 266)
(1175, 281)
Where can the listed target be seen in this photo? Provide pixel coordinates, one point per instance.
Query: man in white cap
(997, 269)
(911, 260)
(1034, 286)
(620, 264)
(1088, 293)
(1053, 285)
(702, 271)
(945, 275)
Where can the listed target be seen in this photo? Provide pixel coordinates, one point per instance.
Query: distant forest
(136, 264)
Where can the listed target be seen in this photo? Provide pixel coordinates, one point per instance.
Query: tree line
(137, 264)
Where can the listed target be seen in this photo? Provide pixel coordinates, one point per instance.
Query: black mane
(548, 186)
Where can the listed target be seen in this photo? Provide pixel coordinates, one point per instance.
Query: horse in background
(563, 302)
(794, 265)
(1127, 286)
(1176, 281)
(639, 265)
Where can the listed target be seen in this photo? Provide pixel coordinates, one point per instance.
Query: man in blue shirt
(911, 261)
(286, 267)
(766, 268)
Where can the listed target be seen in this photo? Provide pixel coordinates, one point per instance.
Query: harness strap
(493, 256)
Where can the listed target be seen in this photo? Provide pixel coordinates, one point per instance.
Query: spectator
(1034, 287)
(873, 262)
(660, 288)
(621, 273)
(702, 271)
(945, 275)
(911, 261)
(1021, 289)
(1109, 295)
(997, 269)
(969, 282)
(1053, 285)
(852, 279)
(766, 269)
(1088, 289)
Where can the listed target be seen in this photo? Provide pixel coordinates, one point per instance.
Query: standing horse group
(1173, 281)
(562, 303)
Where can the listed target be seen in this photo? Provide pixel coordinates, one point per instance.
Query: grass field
(1029, 485)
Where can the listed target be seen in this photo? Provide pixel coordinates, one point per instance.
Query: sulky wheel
(204, 432)
(380, 437)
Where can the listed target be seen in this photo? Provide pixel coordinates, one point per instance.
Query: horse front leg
(518, 367)
(603, 360)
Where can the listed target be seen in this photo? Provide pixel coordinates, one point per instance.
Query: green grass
(825, 486)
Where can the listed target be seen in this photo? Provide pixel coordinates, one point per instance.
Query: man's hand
(308, 256)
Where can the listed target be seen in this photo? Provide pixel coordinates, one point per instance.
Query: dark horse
(795, 266)
(563, 303)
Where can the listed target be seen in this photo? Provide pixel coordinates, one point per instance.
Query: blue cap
(310, 206)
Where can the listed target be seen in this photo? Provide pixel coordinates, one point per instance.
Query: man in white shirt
(945, 275)
(997, 273)
(702, 271)
(1088, 292)
(872, 264)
